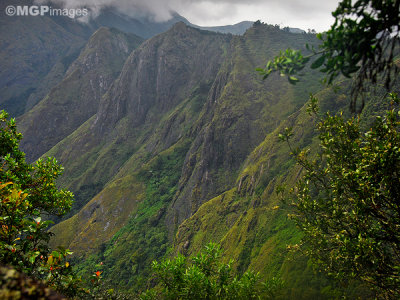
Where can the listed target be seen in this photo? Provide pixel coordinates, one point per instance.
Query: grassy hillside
(76, 98)
(251, 220)
(32, 56)
(172, 140)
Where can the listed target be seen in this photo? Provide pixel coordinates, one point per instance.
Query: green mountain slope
(161, 87)
(241, 110)
(76, 98)
(171, 137)
(30, 47)
(36, 51)
(251, 222)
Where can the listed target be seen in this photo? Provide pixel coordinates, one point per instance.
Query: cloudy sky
(315, 14)
(303, 14)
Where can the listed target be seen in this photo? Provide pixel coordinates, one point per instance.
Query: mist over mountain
(45, 46)
(30, 49)
(168, 137)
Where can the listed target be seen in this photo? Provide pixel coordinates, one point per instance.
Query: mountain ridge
(37, 60)
(76, 98)
(172, 142)
(161, 151)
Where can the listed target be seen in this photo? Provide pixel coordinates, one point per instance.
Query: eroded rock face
(76, 98)
(187, 105)
(30, 49)
(141, 111)
(159, 75)
(239, 112)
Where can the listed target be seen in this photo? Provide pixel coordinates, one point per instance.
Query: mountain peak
(179, 26)
(89, 76)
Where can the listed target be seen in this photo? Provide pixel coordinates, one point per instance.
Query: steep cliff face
(159, 75)
(172, 132)
(36, 51)
(240, 111)
(76, 98)
(30, 46)
(154, 95)
(251, 221)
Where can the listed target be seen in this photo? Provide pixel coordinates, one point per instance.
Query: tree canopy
(347, 202)
(205, 276)
(28, 192)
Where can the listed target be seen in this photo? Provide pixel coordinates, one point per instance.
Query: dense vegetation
(27, 193)
(180, 152)
(204, 276)
(347, 202)
(145, 236)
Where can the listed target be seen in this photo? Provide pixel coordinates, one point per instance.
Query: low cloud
(156, 10)
(308, 13)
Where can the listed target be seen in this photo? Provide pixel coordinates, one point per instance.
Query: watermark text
(43, 10)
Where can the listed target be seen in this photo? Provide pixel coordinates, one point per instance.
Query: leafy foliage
(362, 41)
(37, 181)
(16, 285)
(347, 203)
(206, 277)
(26, 192)
(290, 62)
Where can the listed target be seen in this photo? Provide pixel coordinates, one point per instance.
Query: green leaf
(32, 258)
(293, 80)
(318, 62)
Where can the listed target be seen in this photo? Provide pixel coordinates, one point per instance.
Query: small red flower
(13, 250)
(98, 273)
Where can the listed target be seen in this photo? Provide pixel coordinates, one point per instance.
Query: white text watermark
(43, 10)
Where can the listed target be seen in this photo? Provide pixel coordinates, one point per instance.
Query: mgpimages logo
(35, 10)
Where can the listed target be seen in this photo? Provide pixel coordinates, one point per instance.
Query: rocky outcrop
(30, 47)
(188, 106)
(143, 111)
(76, 98)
